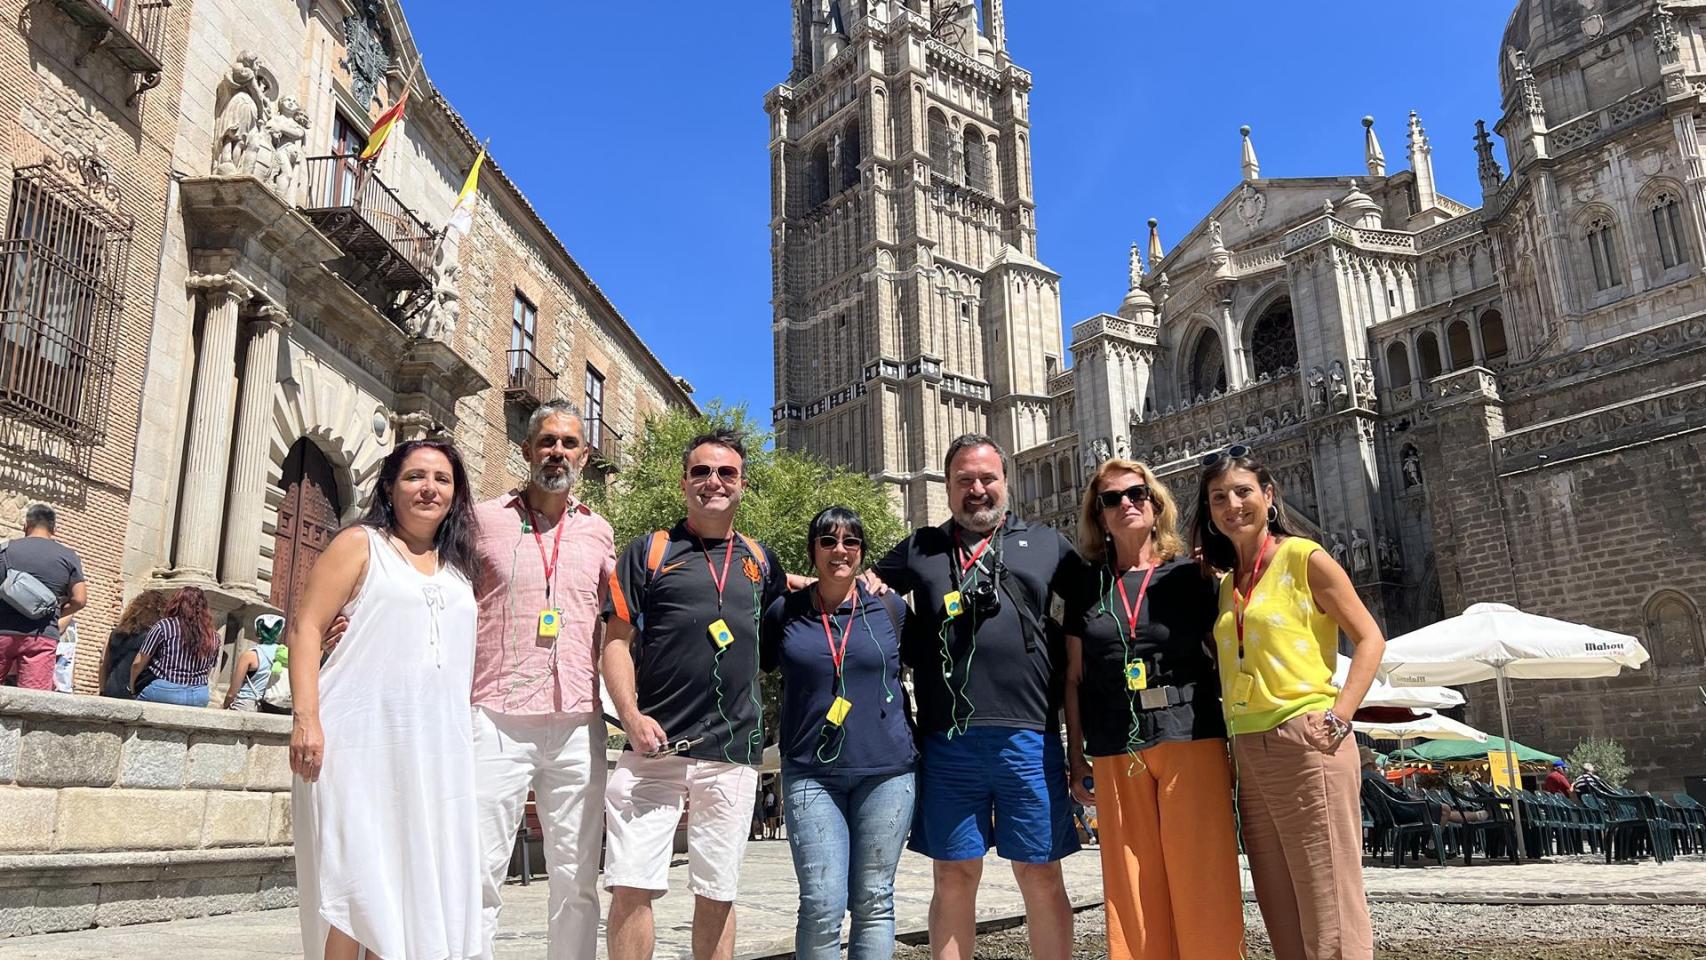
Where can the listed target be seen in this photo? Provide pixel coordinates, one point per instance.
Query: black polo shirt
(683, 681)
(1174, 642)
(1004, 670)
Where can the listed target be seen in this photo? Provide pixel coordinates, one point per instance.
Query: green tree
(785, 489)
(1609, 761)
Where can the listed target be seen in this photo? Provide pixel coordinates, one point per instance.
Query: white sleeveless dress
(387, 848)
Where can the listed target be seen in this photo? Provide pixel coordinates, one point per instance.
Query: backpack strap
(758, 555)
(888, 600)
(655, 553)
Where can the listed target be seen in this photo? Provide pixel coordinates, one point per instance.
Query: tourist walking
(545, 564)
(139, 616)
(680, 660)
(180, 651)
(1283, 604)
(846, 744)
(387, 851)
(992, 770)
(1143, 702)
(42, 587)
(253, 672)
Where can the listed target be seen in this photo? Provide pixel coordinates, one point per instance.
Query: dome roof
(1546, 28)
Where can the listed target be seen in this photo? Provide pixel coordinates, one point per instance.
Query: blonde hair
(1092, 538)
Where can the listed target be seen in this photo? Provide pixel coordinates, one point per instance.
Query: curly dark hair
(189, 607)
(143, 611)
(454, 539)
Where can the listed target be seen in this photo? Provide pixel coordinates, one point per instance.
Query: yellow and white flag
(462, 215)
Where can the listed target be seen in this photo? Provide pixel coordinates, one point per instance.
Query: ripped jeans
(846, 834)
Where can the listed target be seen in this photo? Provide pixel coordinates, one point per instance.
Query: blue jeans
(183, 694)
(846, 835)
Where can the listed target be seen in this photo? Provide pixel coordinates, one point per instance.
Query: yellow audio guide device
(721, 635)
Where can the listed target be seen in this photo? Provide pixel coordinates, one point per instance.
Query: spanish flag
(462, 215)
(382, 128)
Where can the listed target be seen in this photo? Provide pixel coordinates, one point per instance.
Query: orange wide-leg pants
(1170, 853)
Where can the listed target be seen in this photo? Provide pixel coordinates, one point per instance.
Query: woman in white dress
(387, 855)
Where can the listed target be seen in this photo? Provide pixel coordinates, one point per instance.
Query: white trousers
(561, 757)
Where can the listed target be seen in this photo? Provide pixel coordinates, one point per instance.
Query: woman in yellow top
(1283, 604)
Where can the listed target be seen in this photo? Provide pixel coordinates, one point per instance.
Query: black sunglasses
(702, 471)
(1137, 493)
(1235, 452)
(828, 542)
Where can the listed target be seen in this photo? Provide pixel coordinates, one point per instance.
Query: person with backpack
(42, 589)
(680, 662)
(257, 667)
(846, 743)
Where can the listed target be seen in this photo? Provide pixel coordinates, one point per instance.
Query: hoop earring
(1273, 513)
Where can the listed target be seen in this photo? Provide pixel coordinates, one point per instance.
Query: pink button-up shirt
(516, 670)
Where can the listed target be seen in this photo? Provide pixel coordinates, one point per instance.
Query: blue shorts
(993, 787)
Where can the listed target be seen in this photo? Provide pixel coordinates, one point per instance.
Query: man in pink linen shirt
(545, 565)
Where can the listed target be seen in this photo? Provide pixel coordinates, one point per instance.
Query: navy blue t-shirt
(876, 736)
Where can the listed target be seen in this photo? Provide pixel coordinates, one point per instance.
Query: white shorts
(642, 806)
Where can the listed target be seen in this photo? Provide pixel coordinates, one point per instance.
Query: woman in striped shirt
(180, 651)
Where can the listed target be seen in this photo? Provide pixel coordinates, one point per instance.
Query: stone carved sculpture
(1362, 378)
(1120, 448)
(1090, 461)
(246, 108)
(438, 318)
(1216, 237)
(1391, 558)
(1360, 557)
(1412, 461)
(1341, 391)
(1339, 552)
(281, 146)
(1317, 389)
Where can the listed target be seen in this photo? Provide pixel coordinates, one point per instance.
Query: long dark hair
(1216, 548)
(144, 611)
(454, 538)
(189, 607)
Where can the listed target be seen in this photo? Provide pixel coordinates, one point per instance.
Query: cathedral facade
(1499, 400)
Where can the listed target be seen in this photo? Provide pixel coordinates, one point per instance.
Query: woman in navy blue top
(846, 744)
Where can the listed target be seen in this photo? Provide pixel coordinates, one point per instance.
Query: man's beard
(559, 483)
(984, 519)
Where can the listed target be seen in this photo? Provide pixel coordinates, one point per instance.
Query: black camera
(983, 597)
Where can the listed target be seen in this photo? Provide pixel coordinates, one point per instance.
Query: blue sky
(638, 131)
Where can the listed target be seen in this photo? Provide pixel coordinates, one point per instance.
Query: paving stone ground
(768, 895)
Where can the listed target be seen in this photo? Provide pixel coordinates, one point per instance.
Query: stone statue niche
(256, 135)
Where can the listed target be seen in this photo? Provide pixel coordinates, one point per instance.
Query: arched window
(1667, 228)
(1602, 250)
(1397, 364)
(1673, 631)
(1273, 342)
(1045, 476)
(1462, 346)
(1493, 344)
(1028, 483)
(977, 161)
(1427, 354)
(850, 154)
(817, 187)
(1208, 366)
(941, 143)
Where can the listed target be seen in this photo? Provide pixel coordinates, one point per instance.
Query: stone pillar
(211, 416)
(1688, 144)
(246, 507)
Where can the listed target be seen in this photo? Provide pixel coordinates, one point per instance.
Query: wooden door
(307, 521)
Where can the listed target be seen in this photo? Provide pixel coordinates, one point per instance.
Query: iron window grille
(63, 260)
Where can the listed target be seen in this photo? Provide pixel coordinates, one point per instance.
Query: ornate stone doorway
(307, 520)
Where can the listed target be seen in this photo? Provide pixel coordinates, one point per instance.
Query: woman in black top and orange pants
(1143, 701)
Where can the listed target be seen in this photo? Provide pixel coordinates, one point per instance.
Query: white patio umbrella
(1428, 726)
(1496, 641)
(1383, 694)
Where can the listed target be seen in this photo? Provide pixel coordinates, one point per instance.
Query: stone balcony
(1265, 406)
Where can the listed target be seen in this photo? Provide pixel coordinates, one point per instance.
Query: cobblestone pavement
(1575, 900)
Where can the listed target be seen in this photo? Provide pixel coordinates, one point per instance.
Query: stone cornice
(1645, 419)
(1647, 346)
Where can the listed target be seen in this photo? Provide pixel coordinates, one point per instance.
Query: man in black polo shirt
(988, 668)
(681, 663)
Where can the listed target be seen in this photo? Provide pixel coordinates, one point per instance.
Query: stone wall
(116, 812)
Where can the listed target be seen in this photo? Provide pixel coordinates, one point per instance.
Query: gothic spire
(1134, 269)
(835, 24)
(1154, 244)
(1422, 164)
(1252, 169)
(1486, 165)
(1372, 154)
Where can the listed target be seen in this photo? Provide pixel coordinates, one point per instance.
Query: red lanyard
(1133, 609)
(1241, 601)
(972, 557)
(728, 554)
(838, 654)
(556, 546)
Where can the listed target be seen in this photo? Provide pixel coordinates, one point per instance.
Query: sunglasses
(1235, 452)
(700, 472)
(1137, 493)
(827, 542)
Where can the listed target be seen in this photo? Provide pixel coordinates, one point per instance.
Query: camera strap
(1031, 625)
